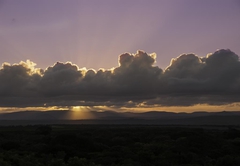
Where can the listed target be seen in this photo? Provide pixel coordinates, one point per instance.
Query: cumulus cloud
(136, 74)
(19, 79)
(60, 79)
(188, 80)
(185, 66)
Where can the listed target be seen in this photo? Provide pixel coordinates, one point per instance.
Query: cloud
(136, 74)
(60, 79)
(188, 80)
(217, 73)
(185, 66)
(19, 79)
(222, 70)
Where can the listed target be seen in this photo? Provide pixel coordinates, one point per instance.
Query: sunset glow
(88, 57)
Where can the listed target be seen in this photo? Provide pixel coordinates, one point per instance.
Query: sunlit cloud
(188, 109)
(137, 84)
(14, 109)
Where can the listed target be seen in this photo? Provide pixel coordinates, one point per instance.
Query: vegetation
(118, 145)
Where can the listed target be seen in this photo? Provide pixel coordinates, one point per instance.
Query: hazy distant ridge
(152, 117)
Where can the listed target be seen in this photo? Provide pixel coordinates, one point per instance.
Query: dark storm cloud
(216, 73)
(19, 79)
(136, 74)
(184, 66)
(188, 80)
(60, 79)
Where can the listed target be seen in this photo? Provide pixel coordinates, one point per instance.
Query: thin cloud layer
(188, 80)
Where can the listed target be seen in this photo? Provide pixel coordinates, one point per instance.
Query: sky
(52, 52)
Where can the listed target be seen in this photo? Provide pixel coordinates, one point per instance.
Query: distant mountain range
(111, 117)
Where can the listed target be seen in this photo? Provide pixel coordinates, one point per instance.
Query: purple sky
(92, 33)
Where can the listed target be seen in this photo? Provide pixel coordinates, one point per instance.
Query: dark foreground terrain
(125, 145)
